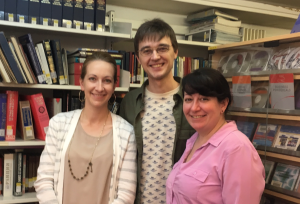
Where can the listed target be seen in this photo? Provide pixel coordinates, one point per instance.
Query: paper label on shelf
(21, 19)
(45, 21)
(29, 131)
(100, 28)
(18, 187)
(10, 17)
(55, 23)
(212, 48)
(88, 27)
(41, 78)
(9, 131)
(69, 24)
(2, 132)
(77, 25)
(33, 21)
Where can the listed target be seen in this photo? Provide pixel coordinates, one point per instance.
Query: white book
(8, 169)
(4, 74)
(43, 62)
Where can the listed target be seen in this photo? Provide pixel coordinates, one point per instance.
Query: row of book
(88, 15)
(278, 136)
(18, 172)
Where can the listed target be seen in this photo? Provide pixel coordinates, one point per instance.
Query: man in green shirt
(155, 111)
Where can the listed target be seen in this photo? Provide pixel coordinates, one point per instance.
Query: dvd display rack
(260, 61)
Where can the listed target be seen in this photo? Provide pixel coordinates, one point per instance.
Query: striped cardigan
(49, 183)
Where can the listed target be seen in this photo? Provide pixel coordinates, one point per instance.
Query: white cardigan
(50, 179)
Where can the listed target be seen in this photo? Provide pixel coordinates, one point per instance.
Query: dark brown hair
(103, 56)
(155, 29)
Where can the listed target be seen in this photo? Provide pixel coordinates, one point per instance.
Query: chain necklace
(90, 164)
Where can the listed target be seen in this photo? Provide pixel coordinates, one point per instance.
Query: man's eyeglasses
(147, 52)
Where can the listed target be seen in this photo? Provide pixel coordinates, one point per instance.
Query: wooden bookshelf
(22, 143)
(282, 196)
(26, 198)
(262, 115)
(279, 156)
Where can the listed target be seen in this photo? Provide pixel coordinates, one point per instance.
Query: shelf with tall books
(264, 76)
(26, 198)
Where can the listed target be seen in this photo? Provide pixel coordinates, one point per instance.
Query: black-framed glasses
(147, 52)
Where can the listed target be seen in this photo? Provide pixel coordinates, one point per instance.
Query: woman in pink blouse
(219, 165)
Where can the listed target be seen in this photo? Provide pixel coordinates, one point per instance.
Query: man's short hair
(155, 29)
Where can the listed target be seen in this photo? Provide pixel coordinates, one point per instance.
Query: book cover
(288, 137)
(3, 100)
(8, 175)
(34, 11)
(25, 121)
(265, 134)
(17, 174)
(75, 68)
(241, 91)
(11, 115)
(88, 14)
(282, 91)
(33, 77)
(57, 57)
(78, 14)
(2, 9)
(45, 12)
(57, 12)
(22, 11)
(296, 27)
(68, 12)
(248, 128)
(54, 106)
(100, 13)
(43, 61)
(269, 165)
(285, 176)
(50, 61)
(10, 10)
(40, 115)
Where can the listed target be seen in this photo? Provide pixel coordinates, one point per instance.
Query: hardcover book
(45, 12)
(25, 121)
(78, 14)
(24, 174)
(248, 128)
(282, 91)
(22, 11)
(74, 79)
(57, 57)
(43, 62)
(285, 176)
(75, 68)
(288, 137)
(68, 10)
(265, 134)
(17, 174)
(11, 115)
(10, 10)
(50, 61)
(269, 165)
(2, 9)
(34, 11)
(3, 99)
(241, 91)
(100, 13)
(8, 175)
(88, 14)
(57, 12)
(1, 175)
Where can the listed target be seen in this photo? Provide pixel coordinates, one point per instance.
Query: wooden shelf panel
(26, 198)
(286, 3)
(279, 156)
(195, 43)
(282, 196)
(135, 85)
(22, 143)
(262, 115)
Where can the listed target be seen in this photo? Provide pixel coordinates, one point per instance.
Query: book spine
(75, 68)
(2, 4)
(88, 14)
(40, 115)
(26, 120)
(68, 10)
(3, 99)
(8, 169)
(56, 53)
(57, 12)
(27, 64)
(45, 12)
(11, 115)
(10, 10)
(74, 79)
(78, 14)
(1, 176)
(34, 11)
(17, 177)
(100, 13)
(22, 11)
(43, 62)
(24, 174)
(48, 52)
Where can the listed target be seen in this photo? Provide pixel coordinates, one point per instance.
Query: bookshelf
(26, 198)
(282, 196)
(22, 143)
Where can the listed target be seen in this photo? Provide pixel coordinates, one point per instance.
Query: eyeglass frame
(161, 46)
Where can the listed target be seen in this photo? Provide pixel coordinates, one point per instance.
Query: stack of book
(224, 28)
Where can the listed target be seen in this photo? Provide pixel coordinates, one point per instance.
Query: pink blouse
(225, 170)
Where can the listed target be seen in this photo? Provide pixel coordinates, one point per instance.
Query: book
(2, 9)
(34, 11)
(285, 176)
(282, 91)
(17, 174)
(75, 104)
(260, 95)
(7, 68)
(74, 79)
(287, 137)
(217, 20)
(296, 27)
(224, 38)
(1, 175)
(57, 12)
(65, 64)
(78, 14)
(57, 59)
(43, 61)
(25, 121)
(68, 10)
(45, 12)
(75, 68)
(10, 59)
(269, 165)
(88, 15)
(3, 100)
(28, 65)
(241, 91)
(54, 106)
(204, 14)
(4, 74)
(10, 10)
(100, 12)
(248, 128)
(216, 27)
(11, 115)
(24, 174)
(50, 61)
(8, 167)
(264, 134)
(22, 11)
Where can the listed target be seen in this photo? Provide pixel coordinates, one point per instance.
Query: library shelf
(22, 143)
(68, 31)
(282, 196)
(279, 156)
(53, 86)
(135, 85)
(263, 115)
(196, 43)
(264, 75)
(26, 198)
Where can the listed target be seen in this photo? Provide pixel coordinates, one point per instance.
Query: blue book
(100, 13)
(34, 11)
(10, 10)
(67, 13)
(56, 13)
(285, 176)
(78, 14)
(248, 128)
(22, 11)
(45, 12)
(2, 3)
(261, 138)
(88, 15)
(296, 27)
(3, 99)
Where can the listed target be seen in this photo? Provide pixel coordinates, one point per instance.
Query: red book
(11, 115)
(75, 68)
(118, 76)
(74, 79)
(40, 115)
